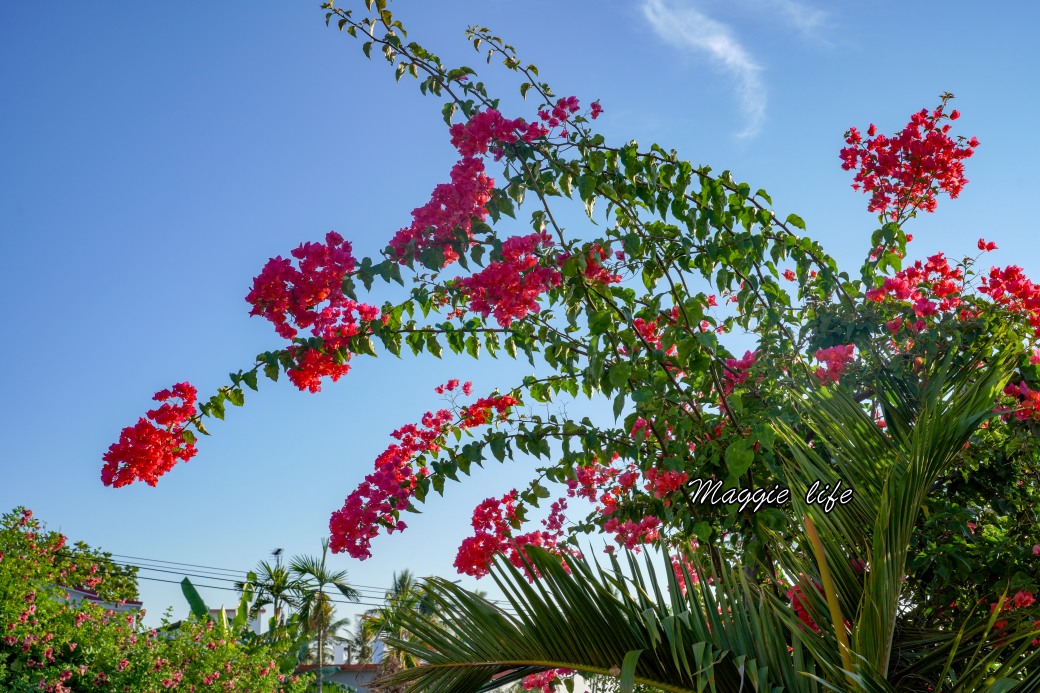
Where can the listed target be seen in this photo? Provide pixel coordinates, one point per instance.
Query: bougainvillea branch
(645, 311)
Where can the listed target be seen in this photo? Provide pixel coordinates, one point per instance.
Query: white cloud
(681, 24)
(807, 20)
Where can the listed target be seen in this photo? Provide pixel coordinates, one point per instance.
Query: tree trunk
(321, 655)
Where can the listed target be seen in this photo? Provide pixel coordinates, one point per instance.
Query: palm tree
(737, 635)
(333, 628)
(275, 586)
(406, 595)
(315, 585)
(359, 644)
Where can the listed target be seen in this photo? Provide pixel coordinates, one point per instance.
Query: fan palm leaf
(735, 636)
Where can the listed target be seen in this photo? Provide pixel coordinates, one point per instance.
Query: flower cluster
(310, 297)
(678, 566)
(545, 681)
(662, 484)
(907, 171)
(384, 493)
(492, 522)
(632, 534)
(510, 288)
(1021, 600)
(606, 485)
(931, 287)
(485, 127)
(562, 111)
(150, 448)
(451, 385)
(389, 489)
(289, 296)
(1010, 289)
(590, 478)
(594, 270)
(834, 362)
(452, 206)
(480, 412)
(1027, 401)
(650, 333)
(736, 371)
(798, 604)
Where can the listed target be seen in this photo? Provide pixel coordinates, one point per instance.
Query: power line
(232, 589)
(365, 600)
(238, 574)
(205, 576)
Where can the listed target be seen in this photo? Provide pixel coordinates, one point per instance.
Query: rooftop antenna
(277, 553)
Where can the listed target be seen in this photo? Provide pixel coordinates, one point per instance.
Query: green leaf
(619, 374)
(628, 670)
(739, 457)
(600, 321)
(363, 345)
(249, 378)
(198, 606)
(773, 518)
(498, 446)
(796, 221)
(433, 344)
(619, 404)
(448, 111)
(236, 397)
(271, 371)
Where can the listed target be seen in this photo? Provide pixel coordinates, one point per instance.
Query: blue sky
(155, 156)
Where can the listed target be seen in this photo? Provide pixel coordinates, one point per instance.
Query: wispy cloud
(681, 24)
(809, 21)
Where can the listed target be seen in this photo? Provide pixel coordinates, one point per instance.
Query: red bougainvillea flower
(1010, 289)
(594, 269)
(152, 446)
(488, 127)
(798, 604)
(677, 569)
(736, 371)
(510, 287)
(290, 296)
(907, 171)
(310, 297)
(389, 489)
(835, 360)
(929, 288)
(544, 681)
(493, 521)
(452, 206)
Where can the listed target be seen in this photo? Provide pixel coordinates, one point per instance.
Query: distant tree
(316, 584)
(275, 586)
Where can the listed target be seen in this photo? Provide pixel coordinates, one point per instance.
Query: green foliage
(943, 512)
(689, 236)
(52, 641)
(729, 633)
